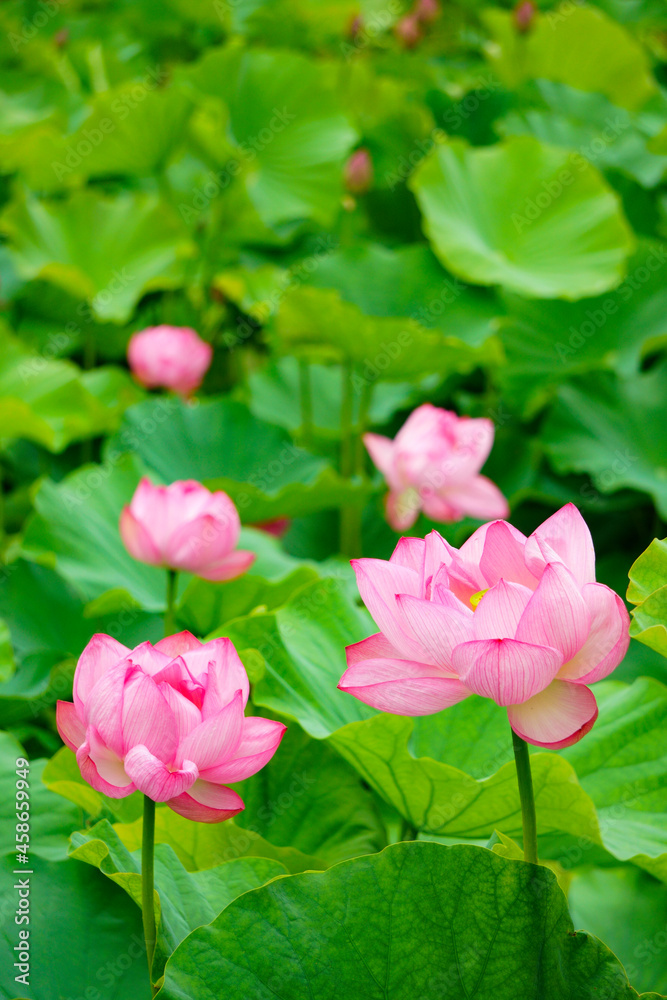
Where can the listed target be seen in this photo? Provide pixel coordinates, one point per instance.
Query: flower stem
(362, 420)
(408, 831)
(522, 759)
(350, 513)
(147, 893)
(2, 515)
(346, 428)
(169, 623)
(306, 400)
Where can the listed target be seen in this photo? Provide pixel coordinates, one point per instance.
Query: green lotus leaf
(52, 818)
(317, 324)
(140, 245)
(289, 128)
(71, 903)
(53, 402)
(523, 215)
(605, 426)
(628, 910)
(579, 46)
(606, 135)
(547, 343)
(648, 590)
(256, 463)
(130, 131)
(204, 845)
(185, 900)
(418, 920)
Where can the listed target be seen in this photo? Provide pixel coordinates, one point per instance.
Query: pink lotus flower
(515, 619)
(185, 527)
(169, 357)
(433, 465)
(166, 720)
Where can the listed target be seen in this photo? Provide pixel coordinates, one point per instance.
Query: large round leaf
(417, 921)
(612, 429)
(547, 343)
(577, 45)
(221, 443)
(408, 281)
(139, 244)
(52, 402)
(605, 134)
(186, 899)
(289, 127)
(131, 130)
(523, 215)
(317, 324)
(648, 590)
(85, 935)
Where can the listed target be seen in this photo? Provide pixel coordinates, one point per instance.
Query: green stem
(89, 361)
(306, 398)
(2, 514)
(89, 351)
(362, 421)
(408, 831)
(350, 514)
(169, 622)
(147, 885)
(346, 432)
(522, 759)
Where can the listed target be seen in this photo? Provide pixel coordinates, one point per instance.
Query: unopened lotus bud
(427, 11)
(524, 15)
(358, 174)
(356, 26)
(408, 31)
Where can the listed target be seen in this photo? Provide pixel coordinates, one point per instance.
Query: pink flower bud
(358, 174)
(427, 11)
(518, 620)
(356, 25)
(166, 720)
(433, 465)
(408, 31)
(169, 357)
(523, 16)
(185, 527)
